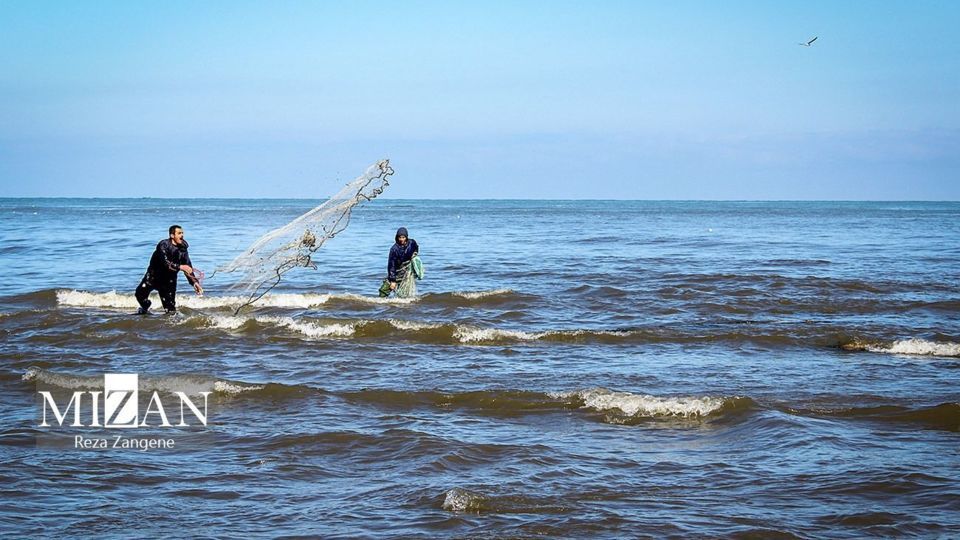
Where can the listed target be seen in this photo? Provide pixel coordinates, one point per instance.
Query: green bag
(406, 287)
(417, 267)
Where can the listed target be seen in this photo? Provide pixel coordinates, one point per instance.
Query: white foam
(474, 295)
(286, 300)
(226, 322)
(602, 399)
(390, 300)
(461, 500)
(35, 374)
(30, 374)
(619, 333)
(86, 299)
(467, 334)
(918, 347)
(191, 385)
(470, 334)
(311, 329)
(413, 325)
(232, 388)
(113, 299)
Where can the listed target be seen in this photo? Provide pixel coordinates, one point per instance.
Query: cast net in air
(264, 263)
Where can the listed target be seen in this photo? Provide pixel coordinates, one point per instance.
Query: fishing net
(265, 262)
(407, 287)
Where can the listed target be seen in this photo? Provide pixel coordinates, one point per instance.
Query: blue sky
(628, 100)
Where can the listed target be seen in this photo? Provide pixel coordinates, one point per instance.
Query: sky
(486, 99)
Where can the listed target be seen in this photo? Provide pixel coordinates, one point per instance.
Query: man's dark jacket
(166, 260)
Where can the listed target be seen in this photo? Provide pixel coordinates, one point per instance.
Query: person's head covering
(402, 231)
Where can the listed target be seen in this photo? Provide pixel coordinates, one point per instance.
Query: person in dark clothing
(168, 260)
(401, 252)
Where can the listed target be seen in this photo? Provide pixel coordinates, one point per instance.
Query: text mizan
(121, 406)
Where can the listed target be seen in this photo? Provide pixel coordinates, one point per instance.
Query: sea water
(569, 368)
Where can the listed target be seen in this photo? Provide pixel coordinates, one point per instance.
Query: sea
(568, 369)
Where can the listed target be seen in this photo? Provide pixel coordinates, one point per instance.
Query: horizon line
(468, 199)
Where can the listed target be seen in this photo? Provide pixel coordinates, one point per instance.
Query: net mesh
(264, 263)
(407, 287)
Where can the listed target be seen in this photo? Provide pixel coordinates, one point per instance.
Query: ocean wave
(491, 297)
(468, 334)
(476, 335)
(226, 322)
(112, 299)
(414, 326)
(234, 388)
(438, 332)
(427, 332)
(448, 333)
(943, 416)
(189, 384)
(69, 382)
(312, 329)
(375, 300)
(620, 407)
(641, 405)
(920, 347)
(501, 403)
(914, 346)
(475, 295)
(460, 500)
(417, 331)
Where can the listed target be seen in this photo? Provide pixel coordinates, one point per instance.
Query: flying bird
(809, 43)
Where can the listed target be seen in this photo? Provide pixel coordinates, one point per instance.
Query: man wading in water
(398, 262)
(168, 260)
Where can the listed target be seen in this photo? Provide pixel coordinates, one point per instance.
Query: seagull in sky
(809, 43)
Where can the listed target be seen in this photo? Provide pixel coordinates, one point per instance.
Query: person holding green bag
(402, 262)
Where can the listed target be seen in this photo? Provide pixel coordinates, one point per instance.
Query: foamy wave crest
(375, 299)
(233, 388)
(311, 329)
(461, 500)
(413, 326)
(917, 347)
(69, 382)
(467, 334)
(188, 384)
(639, 405)
(475, 295)
(226, 322)
(113, 299)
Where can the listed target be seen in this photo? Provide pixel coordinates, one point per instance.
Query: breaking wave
(599, 404)
(312, 329)
(918, 347)
(647, 406)
(125, 300)
(473, 295)
(189, 384)
(618, 407)
(117, 300)
(416, 331)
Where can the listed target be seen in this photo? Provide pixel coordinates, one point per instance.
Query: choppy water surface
(570, 369)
